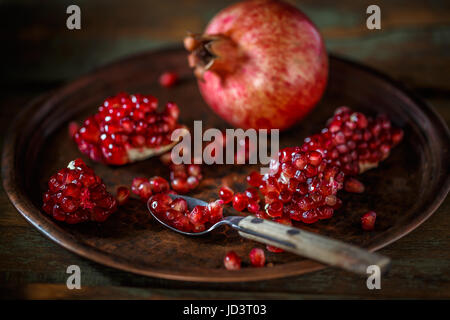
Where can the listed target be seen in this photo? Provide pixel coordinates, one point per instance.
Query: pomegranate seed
(252, 195)
(257, 257)
(226, 194)
(368, 220)
(160, 203)
(73, 129)
(158, 185)
(275, 209)
(123, 194)
(180, 185)
(168, 79)
(239, 201)
(253, 207)
(179, 205)
(198, 215)
(254, 179)
(274, 249)
(353, 185)
(232, 261)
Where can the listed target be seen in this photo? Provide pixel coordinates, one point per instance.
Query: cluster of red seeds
(145, 188)
(183, 178)
(124, 127)
(303, 184)
(176, 213)
(76, 194)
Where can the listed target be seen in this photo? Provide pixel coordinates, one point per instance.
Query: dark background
(39, 54)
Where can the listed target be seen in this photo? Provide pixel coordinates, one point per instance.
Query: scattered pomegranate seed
(368, 220)
(141, 186)
(76, 194)
(73, 128)
(239, 201)
(226, 194)
(232, 261)
(123, 194)
(274, 249)
(158, 184)
(257, 257)
(353, 185)
(168, 79)
(254, 179)
(127, 128)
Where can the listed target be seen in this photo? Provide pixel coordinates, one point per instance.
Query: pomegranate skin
(282, 66)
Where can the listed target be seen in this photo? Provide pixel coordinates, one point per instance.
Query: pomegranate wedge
(76, 194)
(128, 128)
(303, 184)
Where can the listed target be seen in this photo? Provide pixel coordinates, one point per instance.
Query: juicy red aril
(179, 205)
(126, 128)
(239, 202)
(275, 209)
(254, 179)
(253, 207)
(274, 249)
(158, 184)
(368, 220)
(215, 211)
(160, 203)
(226, 194)
(123, 194)
(353, 185)
(252, 195)
(141, 187)
(74, 199)
(232, 261)
(180, 185)
(257, 257)
(198, 215)
(168, 79)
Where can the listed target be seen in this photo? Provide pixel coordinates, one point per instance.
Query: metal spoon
(317, 247)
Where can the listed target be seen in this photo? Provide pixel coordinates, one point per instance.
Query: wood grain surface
(412, 46)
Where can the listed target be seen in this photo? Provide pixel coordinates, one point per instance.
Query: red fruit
(257, 257)
(160, 203)
(198, 215)
(253, 207)
(252, 195)
(254, 179)
(215, 210)
(254, 42)
(76, 195)
(180, 185)
(168, 79)
(179, 205)
(158, 185)
(304, 182)
(274, 249)
(239, 201)
(368, 220)
(141, 187)
(127, 128)
(123, 194)
(232, 261)
(353, 185)
(73, 128)
(226, 194)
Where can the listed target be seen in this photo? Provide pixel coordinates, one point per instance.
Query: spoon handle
(317, 247)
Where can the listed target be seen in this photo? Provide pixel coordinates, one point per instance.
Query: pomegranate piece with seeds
(368, 220)
(302, 184)
(127, 128)
(226, 194)
(232, 261)
(76, 194)
(257, 257)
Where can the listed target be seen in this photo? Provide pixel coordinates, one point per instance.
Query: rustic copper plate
(405, 190)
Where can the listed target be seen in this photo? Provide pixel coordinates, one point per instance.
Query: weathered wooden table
(40, 54)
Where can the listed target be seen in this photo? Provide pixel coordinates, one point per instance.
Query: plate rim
(46, 226)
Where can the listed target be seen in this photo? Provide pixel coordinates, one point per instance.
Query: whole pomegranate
(260, 64)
